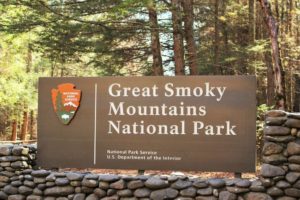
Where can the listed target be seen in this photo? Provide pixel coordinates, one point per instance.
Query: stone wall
(279, 177)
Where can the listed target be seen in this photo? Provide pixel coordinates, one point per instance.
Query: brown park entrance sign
(202, 123)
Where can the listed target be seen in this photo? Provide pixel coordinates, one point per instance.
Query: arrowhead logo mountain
(66, 101)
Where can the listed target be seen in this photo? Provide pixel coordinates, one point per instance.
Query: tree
(188, 19)
(157, 67)
(279, 81)
(177, 37)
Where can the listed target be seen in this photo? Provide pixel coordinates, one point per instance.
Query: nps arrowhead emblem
(66, 101)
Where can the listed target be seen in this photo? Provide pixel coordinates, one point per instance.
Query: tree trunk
(24, 125)
(14, 130)
(157, 67)
(270, 79)
(31, 125)
(251, 21)
(177, 37)
(188, 19)
(277, 66)
(217, 40)
(296, 97)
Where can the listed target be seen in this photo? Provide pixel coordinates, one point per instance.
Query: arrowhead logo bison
(66, 100)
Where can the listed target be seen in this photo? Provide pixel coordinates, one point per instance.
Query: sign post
(202, 123)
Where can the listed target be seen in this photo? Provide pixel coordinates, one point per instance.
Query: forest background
(61, 38)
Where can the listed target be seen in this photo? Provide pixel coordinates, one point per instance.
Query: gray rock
(50, 184)
(200, 183)
(231, 182)
(79, 196)
(37, 191)
(29, 183)
(276, 113)
(92, 197)
(283, 184)
(19, 150)
(2, 184)
(283, 139)
(118, 185)
(75, 183)
(291, 177)
(28, 177)
(41, 186)
(294, 167)
(156, 183)
(206, 198)
(3, 195)
(135, 184)
(87, 190)
(109, 177)
(296, 185)
(294, 123)
(7, 173)
(205, 191)
(293, 148)
(225, 195)
(99, 192)
(25, 190)
(237, 190)
(40, 173)
(39, 180)
(74, 176)
(142, 192)
(277, 131)
(294, 132)
(271, 171)
(59, 191)
(9, 158)
(61, 198)
(286, 198)
(293, 192)
(59, 174)
(9, 189)
(275, 121)
(257, 196)
(162, 194)
(243, 183)
(19, 164)
(111, 198)
(295, 115)
(111, 192)
(172, 178)
(5, 150)
(181, 184)
(124, 193)
(184, 198)
(188, 192)
(62, 181)
(4, 164)
(103, 185)
(34, 197)
(50, 177)
(16, 197)
(294, 159)
(16, 183)
(92, 176)
(274, 159)
(217, 183)
(4, 179)
(272, 148)
(275, 191)
(49, 198)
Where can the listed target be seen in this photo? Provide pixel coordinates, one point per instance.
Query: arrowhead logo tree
(66, 101)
